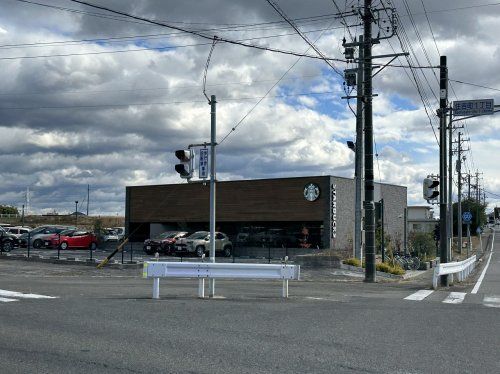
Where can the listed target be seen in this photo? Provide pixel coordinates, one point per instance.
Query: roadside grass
(382, 266)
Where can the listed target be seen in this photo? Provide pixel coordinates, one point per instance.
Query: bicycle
(407, 262)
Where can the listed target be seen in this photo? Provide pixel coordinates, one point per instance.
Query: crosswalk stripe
(455, 298)
(492, 301)
(21, 295)
(419, 295)
(5, 300)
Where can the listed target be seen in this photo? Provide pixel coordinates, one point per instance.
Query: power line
(200, 34)
(166, 103)
(475, 85)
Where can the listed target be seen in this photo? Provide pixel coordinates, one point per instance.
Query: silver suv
(199, 243)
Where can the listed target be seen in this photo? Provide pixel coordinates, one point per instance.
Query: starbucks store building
(302, 212)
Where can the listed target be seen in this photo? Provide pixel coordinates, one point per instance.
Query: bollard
(123, 254)
(58, 246)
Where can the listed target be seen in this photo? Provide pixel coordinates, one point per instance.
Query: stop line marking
(5, 300)
(20, 295)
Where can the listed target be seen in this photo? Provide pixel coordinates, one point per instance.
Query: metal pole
(369, 204)
(469, 244)
(358, 249)
(443, 211)
(88, 198)
(459, 180)
(382, 241)
(405, 236)
(450, 184)
(468, 182)
(22, 217)
(76, 213)
(211, 281)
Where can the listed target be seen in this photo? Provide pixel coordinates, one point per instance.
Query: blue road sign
(467, 217)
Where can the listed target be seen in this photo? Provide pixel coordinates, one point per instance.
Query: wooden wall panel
(237, 201)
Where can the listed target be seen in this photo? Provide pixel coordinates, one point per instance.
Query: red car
(72, 239)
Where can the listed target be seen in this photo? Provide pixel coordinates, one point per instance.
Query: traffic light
(430, 189)
(186, 167)
(437, 233)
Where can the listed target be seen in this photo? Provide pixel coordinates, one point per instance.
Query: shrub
(387, 268)
(353, 262)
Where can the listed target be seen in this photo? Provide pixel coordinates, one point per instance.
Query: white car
(109, 235)
(120, 231)
(17, 231)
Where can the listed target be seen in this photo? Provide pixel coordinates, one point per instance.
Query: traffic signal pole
(211, 282)
(369, 204)
(443, 208)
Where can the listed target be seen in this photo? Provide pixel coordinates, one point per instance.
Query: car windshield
(199, 235)
(165, 235)
(67, 232)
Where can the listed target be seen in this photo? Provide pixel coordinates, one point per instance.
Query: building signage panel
(333, 211)
(203, 172)
(473, 107)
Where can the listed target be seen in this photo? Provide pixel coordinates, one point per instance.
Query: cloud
(113, 118)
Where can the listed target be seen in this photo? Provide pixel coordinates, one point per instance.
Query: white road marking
(455, 298)
(419, 295)
(480, 280)
(5, 300)
(492, 301)
(24, 295)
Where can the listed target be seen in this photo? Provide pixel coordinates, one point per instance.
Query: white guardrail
(462, 269)
(207, 270)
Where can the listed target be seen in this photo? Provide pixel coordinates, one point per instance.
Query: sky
(93, 98)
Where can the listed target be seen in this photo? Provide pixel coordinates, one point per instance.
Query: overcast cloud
(111, 112)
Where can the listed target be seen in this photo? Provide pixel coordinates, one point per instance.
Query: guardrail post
(156, 288)
(285, 288)
(201, 288)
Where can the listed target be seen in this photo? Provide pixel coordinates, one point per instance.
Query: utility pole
(211, 282)
(468, 184)
(88, 198)
(459, 180)
(450, 184)
(443, 211)
(369, 204)
(358, 229)
(76, 213)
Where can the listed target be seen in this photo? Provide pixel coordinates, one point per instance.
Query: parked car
(109, 235)
(17, 231)
(72, 239)
(275, 237)
(37, 235)
(7, 241)
(120, 231)
(164, 242)
(246, 236)
(199, 243)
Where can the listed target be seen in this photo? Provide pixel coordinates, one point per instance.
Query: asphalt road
(105, 322)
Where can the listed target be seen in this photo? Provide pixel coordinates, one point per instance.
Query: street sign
(473, 107)
(203, 172)
(467, 217)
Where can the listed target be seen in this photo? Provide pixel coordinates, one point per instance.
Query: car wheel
(227, 251)
(93, 246)
(37, 244)
(63, 245)
(200, 250)
(7, 246)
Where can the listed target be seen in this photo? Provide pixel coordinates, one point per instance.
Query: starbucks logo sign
(311, 192)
